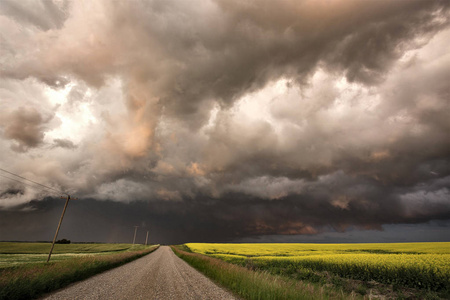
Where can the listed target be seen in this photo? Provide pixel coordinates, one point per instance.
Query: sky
(226, 120)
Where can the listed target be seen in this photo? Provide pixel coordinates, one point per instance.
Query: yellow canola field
(314, 249)
(420, 265)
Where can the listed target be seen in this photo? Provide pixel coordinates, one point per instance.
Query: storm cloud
(273, 117)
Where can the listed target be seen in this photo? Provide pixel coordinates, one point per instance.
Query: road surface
(159, 275)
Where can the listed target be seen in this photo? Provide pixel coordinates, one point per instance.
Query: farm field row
(13, 254)
(42, 248)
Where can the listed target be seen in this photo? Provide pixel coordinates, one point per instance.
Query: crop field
(13, 254)
(415, 265)
(24, 273)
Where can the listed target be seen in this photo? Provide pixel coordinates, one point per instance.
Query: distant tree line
(63, 241)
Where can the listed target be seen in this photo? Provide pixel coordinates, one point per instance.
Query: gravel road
(159, 275)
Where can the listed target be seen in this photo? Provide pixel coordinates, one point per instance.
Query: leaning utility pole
(59, 225)
(146, 239)
(135, 229)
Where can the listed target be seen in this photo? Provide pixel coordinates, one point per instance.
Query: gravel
(159, 275)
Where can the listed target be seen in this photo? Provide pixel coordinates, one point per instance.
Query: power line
(30, 185)
(47, 187)
(33, 186)
(17, 180)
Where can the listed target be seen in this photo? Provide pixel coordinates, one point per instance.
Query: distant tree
(63, 241)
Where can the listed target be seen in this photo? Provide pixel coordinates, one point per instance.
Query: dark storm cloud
(252, 43)
(232, 119)
(341, 202)
(221, 51)
(64, 143)
(11, 191)
(404, 233)
(25, 126)
(362, 38)
(197, 221)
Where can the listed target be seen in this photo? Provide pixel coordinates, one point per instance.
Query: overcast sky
(226, 120)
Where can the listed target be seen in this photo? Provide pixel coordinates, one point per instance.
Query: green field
(13, 254)
(42, 248)
(417, 266)
(24, 273)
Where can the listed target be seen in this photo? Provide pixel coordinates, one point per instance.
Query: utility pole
(135, 230)
(146, 239)
(59, 225)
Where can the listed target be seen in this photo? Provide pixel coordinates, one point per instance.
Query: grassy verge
(32, 280)
(259, 285)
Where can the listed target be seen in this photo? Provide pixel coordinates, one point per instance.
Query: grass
(13, 254)
(44, 248)
(386, 269)
(31, 280)
(259, 285)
